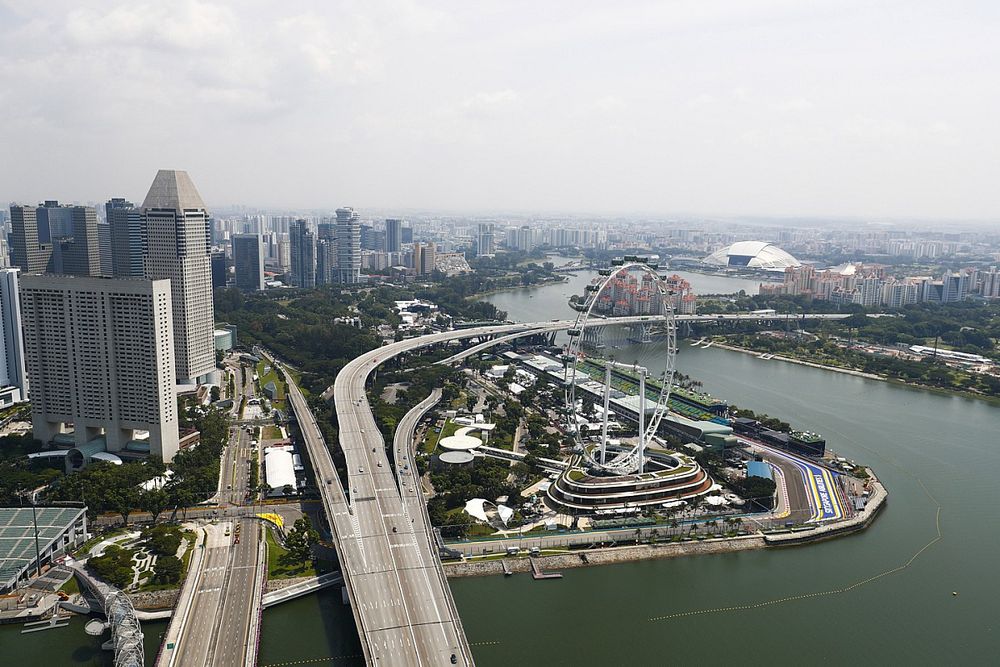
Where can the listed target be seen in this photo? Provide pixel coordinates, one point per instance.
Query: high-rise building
(13, 377)
(81, 254)
(424, 258)
(99, 355)
(348, 246)
(248, 258)
(178, 249)
(393, 235)
(303, 254)
(484, 239)
(326, 261)
(104, 243)
(128, 238)
(220, 269)
(55, 239)
(54, 221)
(27, 252)
(407, 234)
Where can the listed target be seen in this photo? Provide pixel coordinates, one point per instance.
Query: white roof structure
(457, 457)
(477, 508)
(460, 443)
(279, 469)
(107, 456)
(752, 255)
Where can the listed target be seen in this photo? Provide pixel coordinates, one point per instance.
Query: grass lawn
(270, 376)
(275, 570)
(431, 441)
(71, 587)
(271, 433)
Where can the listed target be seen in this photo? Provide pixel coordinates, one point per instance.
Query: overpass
(399, 597)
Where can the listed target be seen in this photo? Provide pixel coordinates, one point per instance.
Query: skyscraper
(484, 239)
(177, 248)
(81, 255)
(393, 235)
(220, 269)
(424, 258)
(13, 377)
(27, 252)
(248, 258)
(99, 355)
(326, 261)
(128, 238)
(53, 238)
(303, 254)
(348, 246)
(104, 243)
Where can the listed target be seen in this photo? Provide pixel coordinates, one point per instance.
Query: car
(329, 481)
(379, 464)
(454, 659)
(394, 529)
(361, 469)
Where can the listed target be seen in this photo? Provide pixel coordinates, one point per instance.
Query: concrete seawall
(612, 555)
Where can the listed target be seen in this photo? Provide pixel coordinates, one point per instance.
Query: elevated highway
(401, 602)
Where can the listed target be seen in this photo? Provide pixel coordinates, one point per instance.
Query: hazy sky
(869, 109)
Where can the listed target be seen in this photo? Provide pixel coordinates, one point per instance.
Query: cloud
(721, 106)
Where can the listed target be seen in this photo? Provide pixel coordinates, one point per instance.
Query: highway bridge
(401, 602)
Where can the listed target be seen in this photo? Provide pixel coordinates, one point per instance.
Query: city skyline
(720, 109)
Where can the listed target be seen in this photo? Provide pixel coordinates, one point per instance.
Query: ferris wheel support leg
(642, 420)
(607, 398)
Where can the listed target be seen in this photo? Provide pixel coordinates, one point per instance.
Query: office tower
(220, 269)
(128, 238)
(303, 255)
(407, 234)
(177, 248)
(348, 246)
(100, 356)
(27, 252)
(13, 378)
(366, 237)
(54, 221)
(248, 258)
(393, 235)
(81, 250)
(104, 244)
(484, 239)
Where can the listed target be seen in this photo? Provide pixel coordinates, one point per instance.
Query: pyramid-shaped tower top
(173, 189)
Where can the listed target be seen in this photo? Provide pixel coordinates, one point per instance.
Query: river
(930, 450)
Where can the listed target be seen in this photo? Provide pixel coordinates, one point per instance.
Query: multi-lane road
(216, 616)
(400, 599)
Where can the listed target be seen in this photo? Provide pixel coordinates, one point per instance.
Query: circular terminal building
(669, 477)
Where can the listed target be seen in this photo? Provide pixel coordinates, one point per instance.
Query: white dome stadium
(752, 255)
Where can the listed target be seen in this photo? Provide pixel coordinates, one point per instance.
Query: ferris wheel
(632, 460)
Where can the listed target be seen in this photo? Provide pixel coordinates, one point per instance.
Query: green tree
(167, 570)
(154, 501)
(299, 541)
